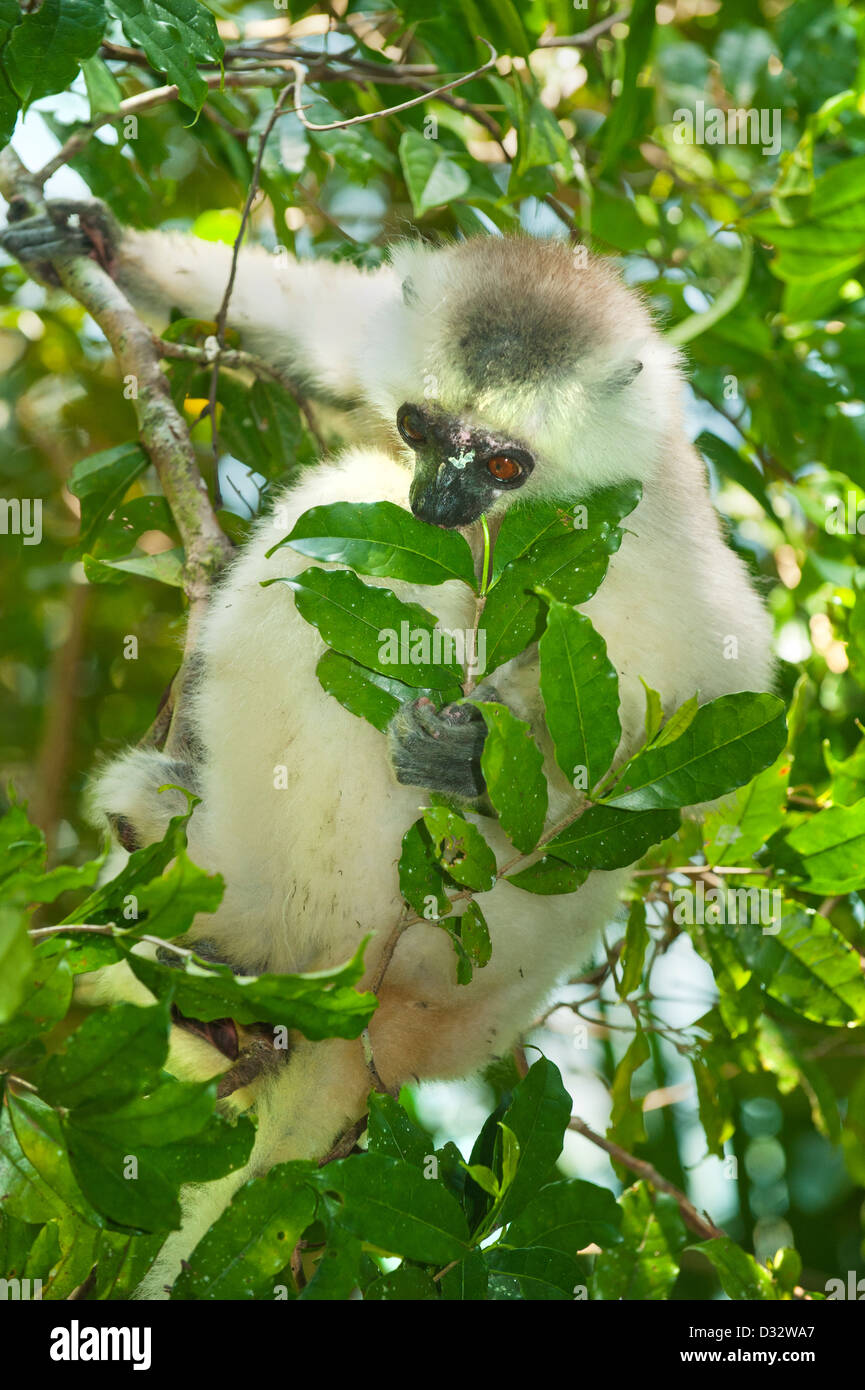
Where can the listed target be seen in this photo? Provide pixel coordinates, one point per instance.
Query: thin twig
(240, 360)
(588, 36)
(145, 101)
(390, 110)
(222, 313)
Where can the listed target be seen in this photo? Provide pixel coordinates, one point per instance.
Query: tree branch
(700, 1225)
(162, 430)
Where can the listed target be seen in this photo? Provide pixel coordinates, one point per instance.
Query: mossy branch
(162, 429)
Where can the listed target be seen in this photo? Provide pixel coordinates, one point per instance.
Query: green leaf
(354, 148)
(629, 110)
(715, 1106)
(321, 1004)
(408, 1284)
(512, 765)
(382, 539)
(737, 829)
(678, 722)
(16, 960)
(460, 849)
(627, 1127)
(740, 1275)
(580, 691)
(549, 877)
(44, 51)
(542, 1274)
(780, 1055)
(171, 1111)
(636, 941)
(475, 936)
(138, 1186)
(247, 1246)
(375, 628)
(108, 902)
(421, 881)
(538, 1115)
(644, 1265)
(103, 90)
(8, 108)
(39, 1133)
(852, 1138)
(606, 838)
(568, 1216)
(45, 1001)
(830, 850)
(725, 300)
(467, 1281)
(368, 694)
(114, 1053)
(10, 16)
(166, 567)
(101, 482)
(432, 179)
(337, 1273)
(813, 969)
(732, 465)
(392, 1132)
(122, 1262)
(654, 711)
(175, 35)
(728, 742)
(513, 617)
(168, 905)
(356, 690)
(27, 1196)
(543, 545)
(528, 528)
(389, 1204)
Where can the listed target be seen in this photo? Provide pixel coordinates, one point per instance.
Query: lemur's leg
(314, 317)
(127, 799)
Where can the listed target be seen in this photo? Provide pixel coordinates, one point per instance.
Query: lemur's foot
(67, 227)
(440, 749)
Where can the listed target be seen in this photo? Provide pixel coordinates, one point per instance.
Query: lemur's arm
(311, 317)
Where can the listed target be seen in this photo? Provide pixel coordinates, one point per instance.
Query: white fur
(311, 867)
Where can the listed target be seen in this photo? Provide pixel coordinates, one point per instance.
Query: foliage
(750, 250)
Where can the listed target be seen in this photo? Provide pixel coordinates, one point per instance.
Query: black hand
(66, 228)
(438, 749)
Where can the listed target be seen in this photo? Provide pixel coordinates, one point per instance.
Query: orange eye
(410, 426)
(503, 467)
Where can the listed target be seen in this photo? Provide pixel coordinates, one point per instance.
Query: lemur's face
(460, 469)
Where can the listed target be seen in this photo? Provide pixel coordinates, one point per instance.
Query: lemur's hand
(440, 749)
(67, 227)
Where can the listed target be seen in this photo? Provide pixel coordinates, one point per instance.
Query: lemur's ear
(623, 376)
(409, 293)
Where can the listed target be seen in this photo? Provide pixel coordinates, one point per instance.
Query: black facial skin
(453, 494)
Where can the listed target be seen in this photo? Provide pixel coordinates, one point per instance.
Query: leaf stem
(485, 572)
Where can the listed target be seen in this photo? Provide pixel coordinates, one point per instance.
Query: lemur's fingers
(66, 228)
(439, 750)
